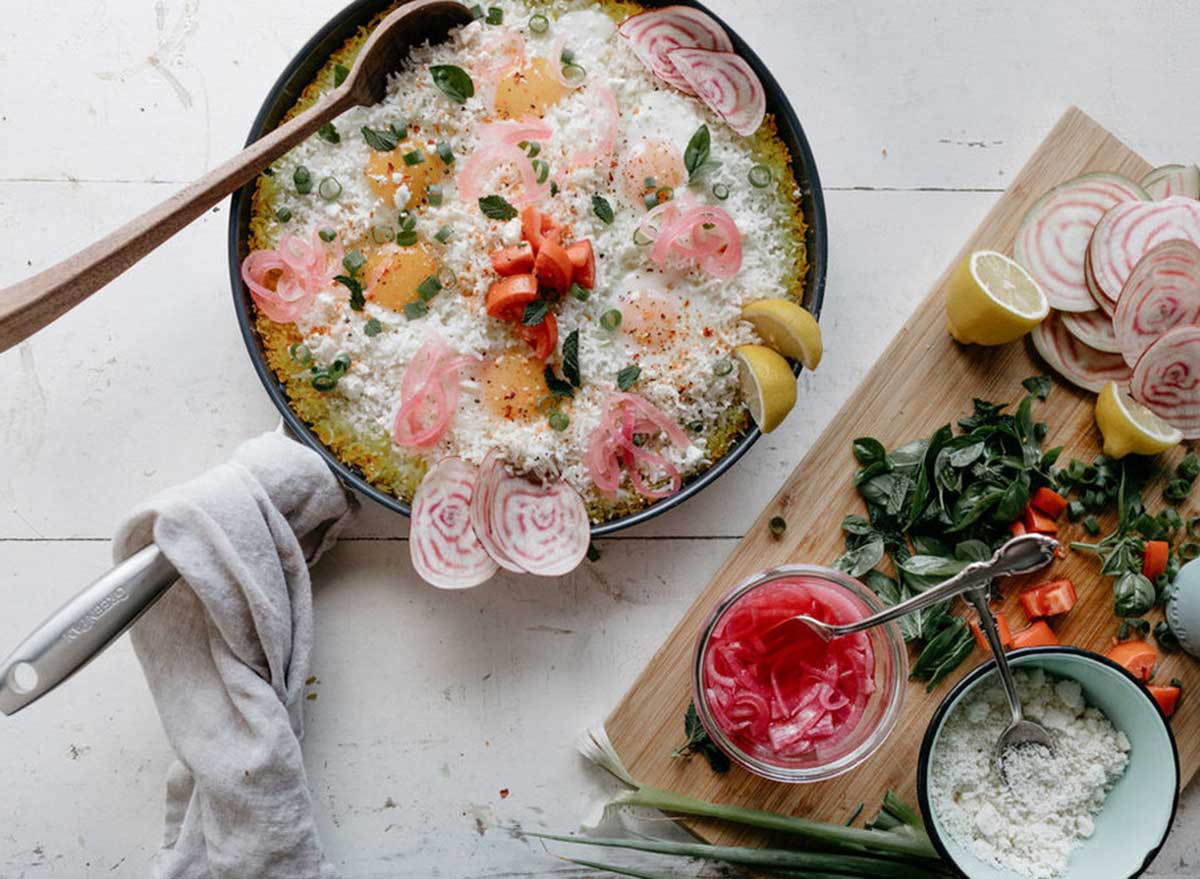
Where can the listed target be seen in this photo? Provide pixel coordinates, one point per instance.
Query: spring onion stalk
(642, 874)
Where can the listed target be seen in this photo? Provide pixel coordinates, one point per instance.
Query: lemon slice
(991, 300)
(1128, 426)
(768, 386)
(787, 328)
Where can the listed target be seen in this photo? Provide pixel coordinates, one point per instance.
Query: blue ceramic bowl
(1137, 816)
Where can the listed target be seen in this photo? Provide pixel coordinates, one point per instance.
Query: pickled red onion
(500, 55)
(682, 229)
(612, 449)
(429, 393)
(605, 127)
(513, 131)
(283, 282)
(485, 160)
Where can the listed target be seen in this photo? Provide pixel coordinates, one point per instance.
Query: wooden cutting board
(923, 380)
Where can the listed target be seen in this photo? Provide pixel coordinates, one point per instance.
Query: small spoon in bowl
(37, 301)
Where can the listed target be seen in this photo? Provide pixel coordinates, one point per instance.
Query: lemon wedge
(991, 300)
(768, 386)
(1129, 427)
(787, 328)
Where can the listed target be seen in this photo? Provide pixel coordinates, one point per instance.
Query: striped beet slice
(1166, 379)
(727, 84)
(1078, 363)
(1128, 232)
(490, 472)
(444, 548)
(1162, 292)
(543, 527)
(1168, 180)
(655, 34)
(1093, 328)
(1052, 240)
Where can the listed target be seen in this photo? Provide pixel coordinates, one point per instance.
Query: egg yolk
(394, 273)
(532, 89)
(653, 166)
(651, 320)
(513, 385)
(383, 168)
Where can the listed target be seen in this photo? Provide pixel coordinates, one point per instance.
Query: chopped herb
(1177, 490)
(698, 742)
(696, 154)
(567, 56)
(724, 366)
(354, 261)
(476, 12)
(495, 207)
(433, 195)
(535, 312)
(593, 554)
(453, 81)
(444, 152)
(327, 234)
(408, 221)
(696, 426)
(611, 319)
(495, 15)
(373, 327)
(570, 358)
(539, 24)
(357, 300)
(759, 176)
(415, 157)
(415, 310)
(553, 188)
(329, 132)
(443, 234)
(649, 183)
(406, 237)
(651, 199)
(300, 353)
(323, 381)
(532, 148)
(602, 209)
(283, 215)
(379, 139)
(1189, 467)
(542, 168)
(1091, 525)
(627, 376)
(330, 188)
(558, 388)
(429, 288)
(1165, 637)
(382, 234)
(340, 72)
(720, 191)
(777, 525)
(302, 179)
(579, 292)
(559, 421)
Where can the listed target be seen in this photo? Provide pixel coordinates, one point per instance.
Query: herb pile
(937, 504)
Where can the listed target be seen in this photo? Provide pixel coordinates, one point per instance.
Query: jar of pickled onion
(784, 703)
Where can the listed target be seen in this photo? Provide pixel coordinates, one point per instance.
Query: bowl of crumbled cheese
(1099, 806)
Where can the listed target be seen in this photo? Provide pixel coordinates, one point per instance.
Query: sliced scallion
(559, 421)
(443, 234)
(406, 238)
(429, 288)
(416, 310)
(651, 199)
(720, 191)
(476, 11)
(340, 365)
(580, 293)
(444, 152)
(446, 277)
(433, 195)
(567, 57)
(723, 366)
(327, 234)
(381, 234)
(641, 239)
(330, 188)
(547, 404)
(408, 221)
(415, 157)
(574, 74)
(303, 180)
(539, 24)
(696, 426)
(323, 381)
(283, 215)
(300, 353)
(495, 15)
(611, 319)
(532, 148)
(543, 170)
(649, 183)
(760, 176)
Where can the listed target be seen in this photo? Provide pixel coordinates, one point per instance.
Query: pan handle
(82, 628)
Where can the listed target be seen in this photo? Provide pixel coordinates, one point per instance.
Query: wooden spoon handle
(33, 303)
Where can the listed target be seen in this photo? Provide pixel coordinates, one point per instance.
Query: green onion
(340, 365)
(444, 151)
(567, 56)
(400, 131)
(327, 234)
(627, 376)
(720, 191)
(1177, 490)
(329, 132)
(1091, 525)
(408, 221)
(574, 74)
(495, 15)
(640, 239)
(539, 24)
(1193, 526)
(666, 193)
(354, 261)
(381, 234)
(547, 404)
(579, 292)
(443, 234)
(329, 189)
(300, 353)
(433, 195)
(649, 183)
(760, 176)
(415, 310)
(476, 11)
(651, 199)
(446, 277)
(429, 288)
(416, 157)
(323, 381)
(559, 421)
(283, 215)
(778, 525)
(531, 148)
(611, 319)
(553, 188)
(723, 366)
(303, 180)
(1189, 467)
(542, 169)
(406, 237)
(696, 426)
(1189, 551)
(373, 327)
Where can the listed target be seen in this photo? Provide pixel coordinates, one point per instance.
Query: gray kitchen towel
(226, 653)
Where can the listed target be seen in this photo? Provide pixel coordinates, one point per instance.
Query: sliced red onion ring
(605, 123)
(486, 159)
(726, 83)
(445, 551)
(500, 55)
(513, 131)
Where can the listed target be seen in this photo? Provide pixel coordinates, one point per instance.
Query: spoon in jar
(1020, 555)
(37, 301)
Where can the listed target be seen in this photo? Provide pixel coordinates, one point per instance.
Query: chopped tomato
(1166, 697)
(553, 266)
(1001, 626)
(507, 298)
(515, 260)
(1048, 599)
(1049, 501)
(1037, 635)
(1017, 528)
(583, 263)
(1038, 522)
(535, 226)
(543, 337)
(1139, 657)
(1155, 559)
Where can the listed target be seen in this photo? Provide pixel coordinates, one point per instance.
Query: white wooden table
(431, 704)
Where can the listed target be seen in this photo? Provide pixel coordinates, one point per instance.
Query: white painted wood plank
(148, 384)
(923, 94)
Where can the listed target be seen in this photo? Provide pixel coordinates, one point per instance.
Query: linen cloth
(226, 652)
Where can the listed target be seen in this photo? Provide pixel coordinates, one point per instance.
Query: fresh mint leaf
(379, 139)
(698, 742)
(535, 312)
(602, 209)
(557, 387)
(495, 207)
(329, 132)
(570, 358)
(696, 152)
(627, 376)
(454, 82)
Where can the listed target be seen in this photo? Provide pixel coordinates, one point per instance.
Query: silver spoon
(1021, 555)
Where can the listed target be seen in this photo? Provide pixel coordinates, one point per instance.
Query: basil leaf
(627, 376)
(329, 132)
(373, 327)
(972, 551)
(495, 207)
(380, 139)
(1038, 385)
(557, 387)
(1015, 497)
(453, 81)
(944, 653)
(602, 209)
(535, 312)
(696, 153)
(357, 300)
(858, 561)
(868, 450)
(1133, 595)
(856, 525)
(570, 358)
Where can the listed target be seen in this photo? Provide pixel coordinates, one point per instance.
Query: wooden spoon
(32, 304)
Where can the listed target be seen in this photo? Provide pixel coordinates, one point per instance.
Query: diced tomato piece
(553, 266)
(1049, 501)
(583, 263)
(1001, 626)
(515, 260)
(507, 298)
(1155, 559)
(1166, 697)
(1037, 635)
(1139, 657)
(1038, 522)
(543, 337)
(1017, 528)
(535, 226)
(1048, 599)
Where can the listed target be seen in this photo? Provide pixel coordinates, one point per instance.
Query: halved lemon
(991, 300)
(1129, 427)
(768, 386)
(787, 328)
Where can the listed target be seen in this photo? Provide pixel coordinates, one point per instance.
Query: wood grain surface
(922, 380)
